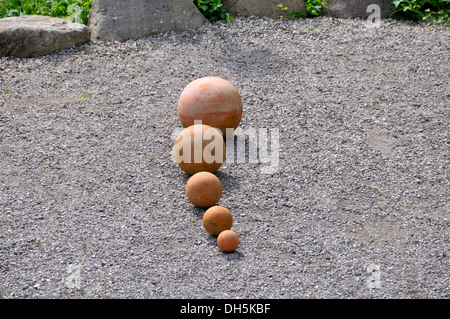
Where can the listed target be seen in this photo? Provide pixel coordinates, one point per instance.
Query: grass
(73, 10)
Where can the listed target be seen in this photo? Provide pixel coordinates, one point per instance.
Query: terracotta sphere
(199, 148)
(212, 100)
(204, 189)
(228, 241)
(217, 219)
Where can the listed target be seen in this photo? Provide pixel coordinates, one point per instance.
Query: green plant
(432, 11)
(283, 10)
(213, 10)
(314, 7)
(74, 10)
(296, 14)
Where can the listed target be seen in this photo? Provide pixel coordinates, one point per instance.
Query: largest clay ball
(212, 100)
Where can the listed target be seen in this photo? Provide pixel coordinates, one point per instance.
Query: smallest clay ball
(228, 241)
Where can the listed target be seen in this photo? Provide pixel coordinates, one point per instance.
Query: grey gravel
(92, 205)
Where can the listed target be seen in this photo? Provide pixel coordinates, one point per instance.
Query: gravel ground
(93, 206)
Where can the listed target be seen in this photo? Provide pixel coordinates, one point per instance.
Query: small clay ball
(217, 219)
(204, 189)
(228, 241)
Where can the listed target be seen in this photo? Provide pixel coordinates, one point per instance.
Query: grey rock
(33, 36)
(116, 20)
(356, 8)
(262, 8)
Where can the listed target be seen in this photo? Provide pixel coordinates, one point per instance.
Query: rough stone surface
(32, 36)
(118, 20)
(92, 205)
(261, 8)
(356, 8)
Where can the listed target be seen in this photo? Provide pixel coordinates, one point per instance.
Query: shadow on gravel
(229, 182)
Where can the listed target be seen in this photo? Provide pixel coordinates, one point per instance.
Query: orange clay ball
(217, 219)
(228, 241)
(204, 189)
(212, 100)
(199, 148)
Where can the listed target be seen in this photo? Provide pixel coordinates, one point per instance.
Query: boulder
(262, 8)
(118, 20)
(356, 8)
(33, 36)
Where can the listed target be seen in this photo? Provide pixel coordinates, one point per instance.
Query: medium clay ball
(204, 189)
(208, 157)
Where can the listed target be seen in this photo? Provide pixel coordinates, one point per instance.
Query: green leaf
(213, 10)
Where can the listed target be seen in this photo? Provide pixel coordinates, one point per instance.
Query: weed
(213, 10)
(74, 10)
(432, 11)
(296, 14)
(314, 7)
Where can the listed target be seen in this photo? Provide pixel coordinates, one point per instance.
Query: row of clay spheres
(208, 106)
